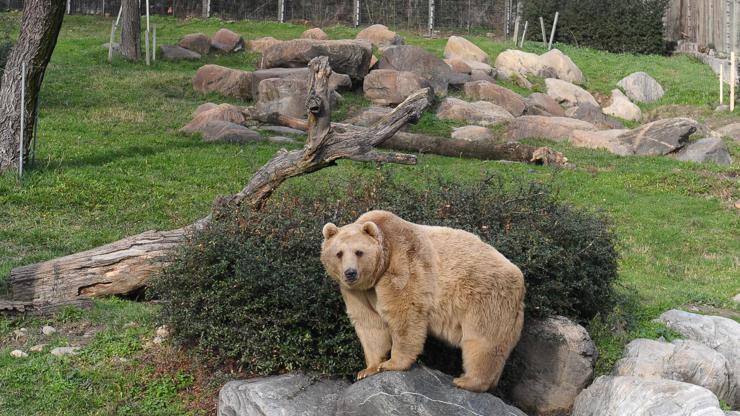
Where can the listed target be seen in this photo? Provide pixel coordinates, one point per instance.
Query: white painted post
(552, 33)
(524, 34)
(23, 117)
(431, 17)
(544, 34)
(154, 45)
(148, 34)
(69, 6)
(733, 80)
(357, 13)
(721, 84)
(281, 11)
(146, 43)
(516, 30)
(110, 44)
(118, 19)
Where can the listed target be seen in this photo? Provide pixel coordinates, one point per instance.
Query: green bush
(615, 26)
(251, 288)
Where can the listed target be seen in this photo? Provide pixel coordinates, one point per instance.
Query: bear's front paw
(395, 365)
(368, 372)
(471, 384)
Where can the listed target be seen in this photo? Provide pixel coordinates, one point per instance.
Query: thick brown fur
(412, 280)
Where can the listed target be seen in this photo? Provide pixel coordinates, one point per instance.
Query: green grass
(111, 163)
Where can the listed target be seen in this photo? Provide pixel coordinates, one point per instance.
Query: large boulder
(177, 53)
(379, 36)
(594, 115)
(460, 48)
(226, 41)
(567, 94)
(682, 360)
(710, 149)
(283, 95)
(602, 139)
(482, 113)
(315, 33)
(539, 104)
(418, 391)
(622, 107)
(488, 91)
(472, 133)
(554, 362)
(563, 67)
(224, 81)
(196, 42)
(514, 64)
(459, 66)
(337, 82)
(259, 45)
(731, 130)
(288, 394)
(351, 57)
(634, 396)
(369, 116)
(415, 59)
(660, 137)
(390, 87)
(223, 112)
(220, 131)
(553, 128)
(641, 87)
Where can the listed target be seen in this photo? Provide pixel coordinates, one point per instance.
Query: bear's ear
(329, 231)
(371, 229)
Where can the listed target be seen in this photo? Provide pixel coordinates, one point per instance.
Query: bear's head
(353, 255)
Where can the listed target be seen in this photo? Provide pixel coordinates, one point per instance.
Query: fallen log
(126, 265)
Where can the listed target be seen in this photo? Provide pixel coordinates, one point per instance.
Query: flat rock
(553, 128)
(351, 57)
(634, 396)
(709, 149)
(369, 116)
(641, 87)
(460, 48)
(418, 60)
(225, 112)
(259, 45)
(390, 87)
(283, 130)
(622, 107)
(488, 91)
(682, 360)
(380, 35)
(63, 351)
(660, 137)
(196, 42)
(482, 113)
(219, 131)
(472, 133)
(290, 394)
(177, 53)
(283, 95)
(315, 33)
(602, 139)
(731, 130)
(224, 81)
(567, 94)
(539, 104)
(227, 41)
(593, 114)
(555, 361)
(337, 82)
(418, 391)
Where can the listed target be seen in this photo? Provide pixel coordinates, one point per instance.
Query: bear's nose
(351, 275)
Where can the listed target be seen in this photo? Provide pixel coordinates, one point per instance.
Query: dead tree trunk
(126, 265)
(131, 30)
(40, 26)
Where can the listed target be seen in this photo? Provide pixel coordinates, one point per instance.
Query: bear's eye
(340, 254)
(359, 253)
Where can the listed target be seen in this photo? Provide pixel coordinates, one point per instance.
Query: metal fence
(494, 16)
(713, 24)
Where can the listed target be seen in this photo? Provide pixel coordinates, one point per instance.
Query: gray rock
(48, 330)
(641, 87)
(622, 107)
(553, 128)
(281, 140)
(420, 61)
(513, 63)
(567, 94)
(390, 87)
(351, 57)
(227, 41)
(337, 81)
(473, 133)
(504, 97)
(369, 116)
(286, 395)
(682, 360)
(227, 112)
(224, 81)
(602, 139)
(18, 354)
(196, 42)
(731, 131)
(283, 95)
(283, 130)
(660, 137)
(594, 115)
(62, 351)
(460, 48)
(219, 131)
(634, 396)
(539, 104)
(706, 150)
(177, 53)
(716, 332)
(418, 391)
(458, 80)
(555, 361)
(478, 75)
(482, 113)
(315, 33)
(379, 35)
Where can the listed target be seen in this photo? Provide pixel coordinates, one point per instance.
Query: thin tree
(40, 25)
(131, 30)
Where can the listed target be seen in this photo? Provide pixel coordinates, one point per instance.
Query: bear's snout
(350, 275)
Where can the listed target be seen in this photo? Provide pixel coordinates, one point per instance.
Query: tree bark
(131, 30)
(126, 265)
(40, 26)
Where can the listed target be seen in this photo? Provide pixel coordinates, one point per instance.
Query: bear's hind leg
(482, 363)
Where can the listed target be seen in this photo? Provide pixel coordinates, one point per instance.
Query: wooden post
(281, 11)
(544, 34)
(552, 33)
(154, 45)
(733, 80)
(524, 34)
(356, 14)
(431, 17)
(146, 45)
(110, 44)
(23, 117)
(516, 30)
(721, 84)
(148, 33)
(69, 6)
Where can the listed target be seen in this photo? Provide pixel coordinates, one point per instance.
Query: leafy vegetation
(110, 163)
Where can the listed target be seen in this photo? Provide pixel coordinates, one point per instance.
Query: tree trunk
(40, 26)
(131, 30)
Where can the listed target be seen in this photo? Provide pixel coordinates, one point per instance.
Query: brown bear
(402, 280)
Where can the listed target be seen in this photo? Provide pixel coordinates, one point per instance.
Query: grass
(111, 163)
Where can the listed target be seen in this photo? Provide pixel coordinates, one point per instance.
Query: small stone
(18, 354)
(62, 351)
(158, 340)
(37, 348)
(20, 333)
(163, 331)
(48, 330)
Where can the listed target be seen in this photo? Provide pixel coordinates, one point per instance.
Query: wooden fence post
(431, 17)
(524, 34)
(356, 19)
(23, 118)
(544, 34)
(552, 33)
(154, 45)
(721, 84)
(516, 30)
(733, 80)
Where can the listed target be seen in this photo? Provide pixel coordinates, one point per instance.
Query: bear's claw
(368, 372)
